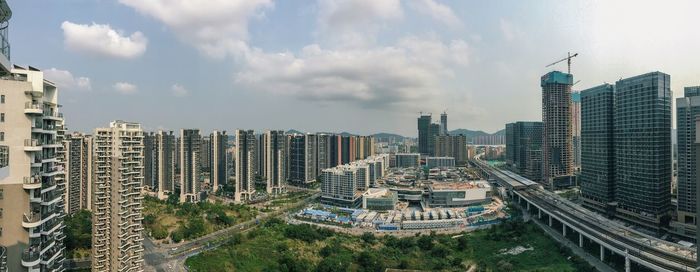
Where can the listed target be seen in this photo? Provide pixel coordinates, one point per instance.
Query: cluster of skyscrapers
(620, 134)
(435, 140)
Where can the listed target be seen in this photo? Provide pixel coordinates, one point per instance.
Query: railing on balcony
(32, 217)
(31, 143)
(32, 180)
(31, 254)
(32, 106)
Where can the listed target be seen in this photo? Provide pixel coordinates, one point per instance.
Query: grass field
(276, 246)
(169, 219)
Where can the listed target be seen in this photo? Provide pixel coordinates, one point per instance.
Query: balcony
(31, 257)
(32, 220)
(31, 183)
(50, 172)
(32, 145)
(31, 108)
(52, 115)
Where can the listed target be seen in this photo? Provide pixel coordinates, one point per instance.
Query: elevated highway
(637, 248)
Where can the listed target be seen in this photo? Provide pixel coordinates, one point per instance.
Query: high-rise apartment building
(303, 158)
(443, 124)
(246, 160)
(576, 127)
(687, 109)
(150, 182)
(276, 161)
(452, 146)
(524, 148)
(32, 179)
(205, 154)
(339, 186)
(643, 148)
(190, 165)
(77, 158)
(159, 160)
(117, 232)
(217, 162)
(323, 152)
(425, 140)
(557, 149)
(598, 148)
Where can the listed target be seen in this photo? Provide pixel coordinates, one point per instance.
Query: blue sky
(362, 66)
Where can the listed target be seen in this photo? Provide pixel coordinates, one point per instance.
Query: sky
(361, 66)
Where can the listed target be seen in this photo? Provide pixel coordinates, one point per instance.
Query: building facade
(32, 183)
(687, 109)
(117, 232)
(190, 165)
(524, 148)
(78, 166)
(245, 164)
(218, 172)
(598, 148)
(557, 147)
(452, 146)
(276, 161)
(576, 127)
(164, 163)
(643, 148)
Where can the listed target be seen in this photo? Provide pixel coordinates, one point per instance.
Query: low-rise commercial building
(439, 162)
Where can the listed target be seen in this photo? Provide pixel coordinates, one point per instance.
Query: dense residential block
(246, 160)
(117, 232)
(32, 183)
(218, 171)
(276, 161)
(190, 165)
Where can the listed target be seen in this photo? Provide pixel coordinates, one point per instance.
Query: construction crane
(568, 61)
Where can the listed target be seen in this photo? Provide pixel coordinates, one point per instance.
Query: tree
(368, 237)
(462, 242)
(425, 242)
(79, 231)
(369, 262)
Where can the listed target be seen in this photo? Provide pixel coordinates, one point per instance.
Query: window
(2, 117)
(0, 213)
(1, 193)
(2, 99)
(2, 136)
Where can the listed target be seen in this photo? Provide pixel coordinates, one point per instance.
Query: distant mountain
(294, 131)
(386, 136)
(475, 133)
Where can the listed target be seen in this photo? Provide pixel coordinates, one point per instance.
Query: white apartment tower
(117, 230)
(246, 159)
(31, 175)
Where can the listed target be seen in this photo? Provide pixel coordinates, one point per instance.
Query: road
(171, 258)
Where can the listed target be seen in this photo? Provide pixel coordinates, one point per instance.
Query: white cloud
(412, 70)
(355, 23)
(217, 28)
(66, 81)
(102, 40)
(179, 90)
(125, 87)
(437, 11)
(510, 31)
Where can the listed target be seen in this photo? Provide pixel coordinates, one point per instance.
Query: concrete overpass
(589, 228)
